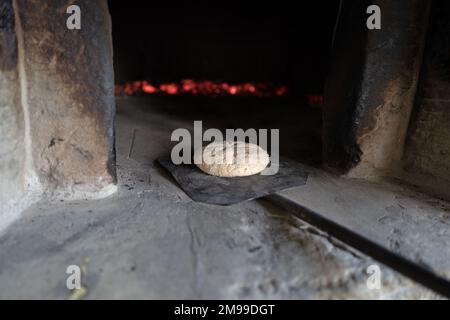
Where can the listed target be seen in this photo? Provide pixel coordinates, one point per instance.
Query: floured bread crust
(231, 159)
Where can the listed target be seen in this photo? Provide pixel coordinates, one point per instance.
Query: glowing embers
(206, 88)
(315, 101)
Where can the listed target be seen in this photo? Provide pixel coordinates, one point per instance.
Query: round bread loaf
(231, 159)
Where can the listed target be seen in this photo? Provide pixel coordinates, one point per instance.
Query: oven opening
(227, 66)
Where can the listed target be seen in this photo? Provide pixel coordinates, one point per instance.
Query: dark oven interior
(228, 65)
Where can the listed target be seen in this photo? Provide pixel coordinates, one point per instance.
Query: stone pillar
(371, 88)
(68, 94)
(427, 152)
(56, 102)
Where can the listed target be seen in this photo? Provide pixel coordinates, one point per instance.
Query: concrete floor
(151, 241)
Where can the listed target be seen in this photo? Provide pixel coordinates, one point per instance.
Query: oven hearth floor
(151, 241)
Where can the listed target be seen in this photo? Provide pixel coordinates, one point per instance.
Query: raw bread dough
(231, 159)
